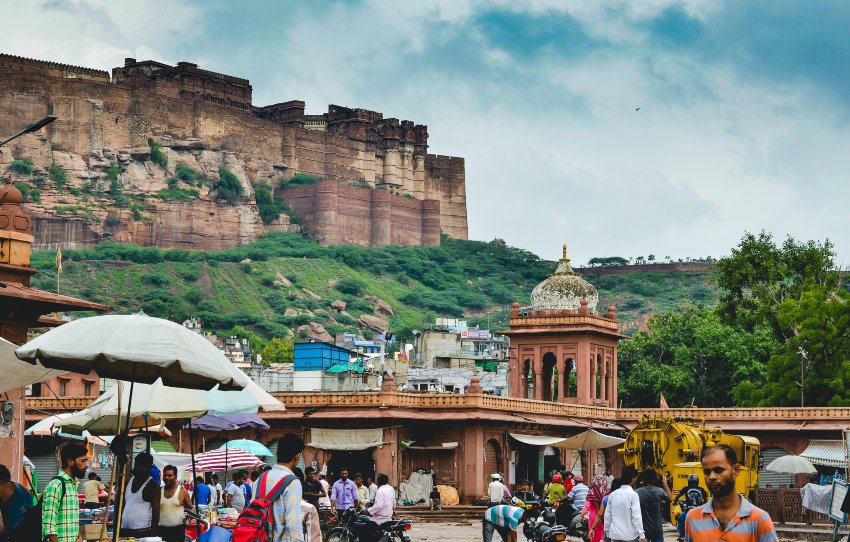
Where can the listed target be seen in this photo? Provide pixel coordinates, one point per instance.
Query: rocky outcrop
(311, 294)
(316, 332)
(373, 322)
(90, 206)
(382, 308)
(339, 305)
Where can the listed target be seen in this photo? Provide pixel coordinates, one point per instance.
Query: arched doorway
(547, 393)
(492, 460)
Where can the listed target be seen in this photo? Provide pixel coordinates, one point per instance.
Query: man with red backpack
(275, 513)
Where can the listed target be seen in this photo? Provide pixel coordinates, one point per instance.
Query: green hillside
(254, 285)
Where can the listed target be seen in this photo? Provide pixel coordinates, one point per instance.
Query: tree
(759, 276)
(651, 257)
(690, 355)
(278, 350)
(816, 358)
(255, 341)
(229, 187)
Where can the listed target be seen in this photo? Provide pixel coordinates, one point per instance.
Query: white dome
(564, 289)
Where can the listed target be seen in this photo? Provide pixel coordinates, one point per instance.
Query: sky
(743, 121)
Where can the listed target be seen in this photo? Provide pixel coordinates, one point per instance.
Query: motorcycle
(357, 527)
(570, 518)
(540, 530)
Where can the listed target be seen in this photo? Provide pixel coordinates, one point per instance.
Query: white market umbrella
(154, 402)
(590, 440)
(17, 373)
(791, 464)
(137, 348)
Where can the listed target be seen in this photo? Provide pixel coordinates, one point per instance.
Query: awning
(536, 440)
(346, 439)
(444, 446)
(590, 440)
(829, 453)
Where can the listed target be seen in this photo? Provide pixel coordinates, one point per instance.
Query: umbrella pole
(111, 476)
(194, 476)
(123, 478)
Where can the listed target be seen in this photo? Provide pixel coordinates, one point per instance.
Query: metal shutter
(47, 466)
(774, 479)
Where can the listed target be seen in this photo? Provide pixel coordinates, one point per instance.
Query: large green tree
(760, 275)
(278, 350)
(815, 359)
(691, 356)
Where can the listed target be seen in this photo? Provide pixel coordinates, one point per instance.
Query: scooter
(540, 530)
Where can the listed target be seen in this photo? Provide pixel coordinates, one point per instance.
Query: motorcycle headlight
(559, 537)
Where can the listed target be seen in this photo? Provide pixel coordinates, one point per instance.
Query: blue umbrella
(251, 446)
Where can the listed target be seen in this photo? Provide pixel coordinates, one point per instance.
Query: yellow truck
(672, 447)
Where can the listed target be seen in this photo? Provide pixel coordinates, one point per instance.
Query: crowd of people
(154, 507)
(626, 509)
(630, 507)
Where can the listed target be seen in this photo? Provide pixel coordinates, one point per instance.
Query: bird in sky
(637, 109)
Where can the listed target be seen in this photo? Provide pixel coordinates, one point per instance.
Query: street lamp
(31, 127)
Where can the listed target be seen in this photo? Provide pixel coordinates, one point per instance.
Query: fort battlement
(54, 69)
(201, 117)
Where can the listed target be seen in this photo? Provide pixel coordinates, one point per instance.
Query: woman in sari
(593, 507)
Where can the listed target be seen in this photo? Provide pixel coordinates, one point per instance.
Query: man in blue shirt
(504, 519)
(344, 493)
(202, 492)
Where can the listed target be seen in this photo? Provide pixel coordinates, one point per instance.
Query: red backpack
(255, 521)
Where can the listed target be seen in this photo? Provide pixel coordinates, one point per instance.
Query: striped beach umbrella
(224, 459)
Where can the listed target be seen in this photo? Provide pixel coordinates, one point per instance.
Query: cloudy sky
(743, 120)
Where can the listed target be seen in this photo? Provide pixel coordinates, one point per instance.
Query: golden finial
(564, 257)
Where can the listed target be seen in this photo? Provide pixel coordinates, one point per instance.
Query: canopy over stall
(590, 440)
(536, 440)
(828, 453)
(346, 439)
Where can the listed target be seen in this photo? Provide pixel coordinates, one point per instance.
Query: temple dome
(563, 289)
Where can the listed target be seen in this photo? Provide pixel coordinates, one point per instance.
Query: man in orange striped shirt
(727, 516)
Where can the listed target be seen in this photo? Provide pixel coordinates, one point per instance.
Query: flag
(59, 260)
(663, 402)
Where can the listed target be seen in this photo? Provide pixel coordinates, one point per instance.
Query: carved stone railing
(436, 401)
(50, 404)
(768, 413)
(554, 320)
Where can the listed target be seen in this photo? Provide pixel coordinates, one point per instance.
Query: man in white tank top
(140, 517)
(172, 504)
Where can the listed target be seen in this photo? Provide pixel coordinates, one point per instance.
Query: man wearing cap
(495, 491)
(579, 492)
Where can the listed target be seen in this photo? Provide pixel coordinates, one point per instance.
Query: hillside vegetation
(253, 286)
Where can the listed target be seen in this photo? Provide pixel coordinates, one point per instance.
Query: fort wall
(99, 118)
(336, 214)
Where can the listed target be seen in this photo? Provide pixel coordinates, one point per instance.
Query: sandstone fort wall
(97, 117)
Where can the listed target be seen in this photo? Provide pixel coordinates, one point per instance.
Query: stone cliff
(109, 186)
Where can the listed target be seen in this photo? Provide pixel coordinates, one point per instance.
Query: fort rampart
(205, 119)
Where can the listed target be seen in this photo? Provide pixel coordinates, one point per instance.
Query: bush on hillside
(269, 206)
(189, 175)
(300, 179)
(58, 176)
(229, 187)
(351, 286)
(158, 156)
(24, 167)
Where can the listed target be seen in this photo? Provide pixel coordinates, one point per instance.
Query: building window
(442, 363)
(87, 388)
(63, 387)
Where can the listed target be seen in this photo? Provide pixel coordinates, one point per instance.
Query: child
(436, 499)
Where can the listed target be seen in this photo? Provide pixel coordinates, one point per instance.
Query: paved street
(471, 531)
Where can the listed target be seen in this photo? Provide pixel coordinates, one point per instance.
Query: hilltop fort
(139, 155)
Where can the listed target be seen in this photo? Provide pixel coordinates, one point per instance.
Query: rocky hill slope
(285, 285)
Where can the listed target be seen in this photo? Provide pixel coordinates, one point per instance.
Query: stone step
(449, 513)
